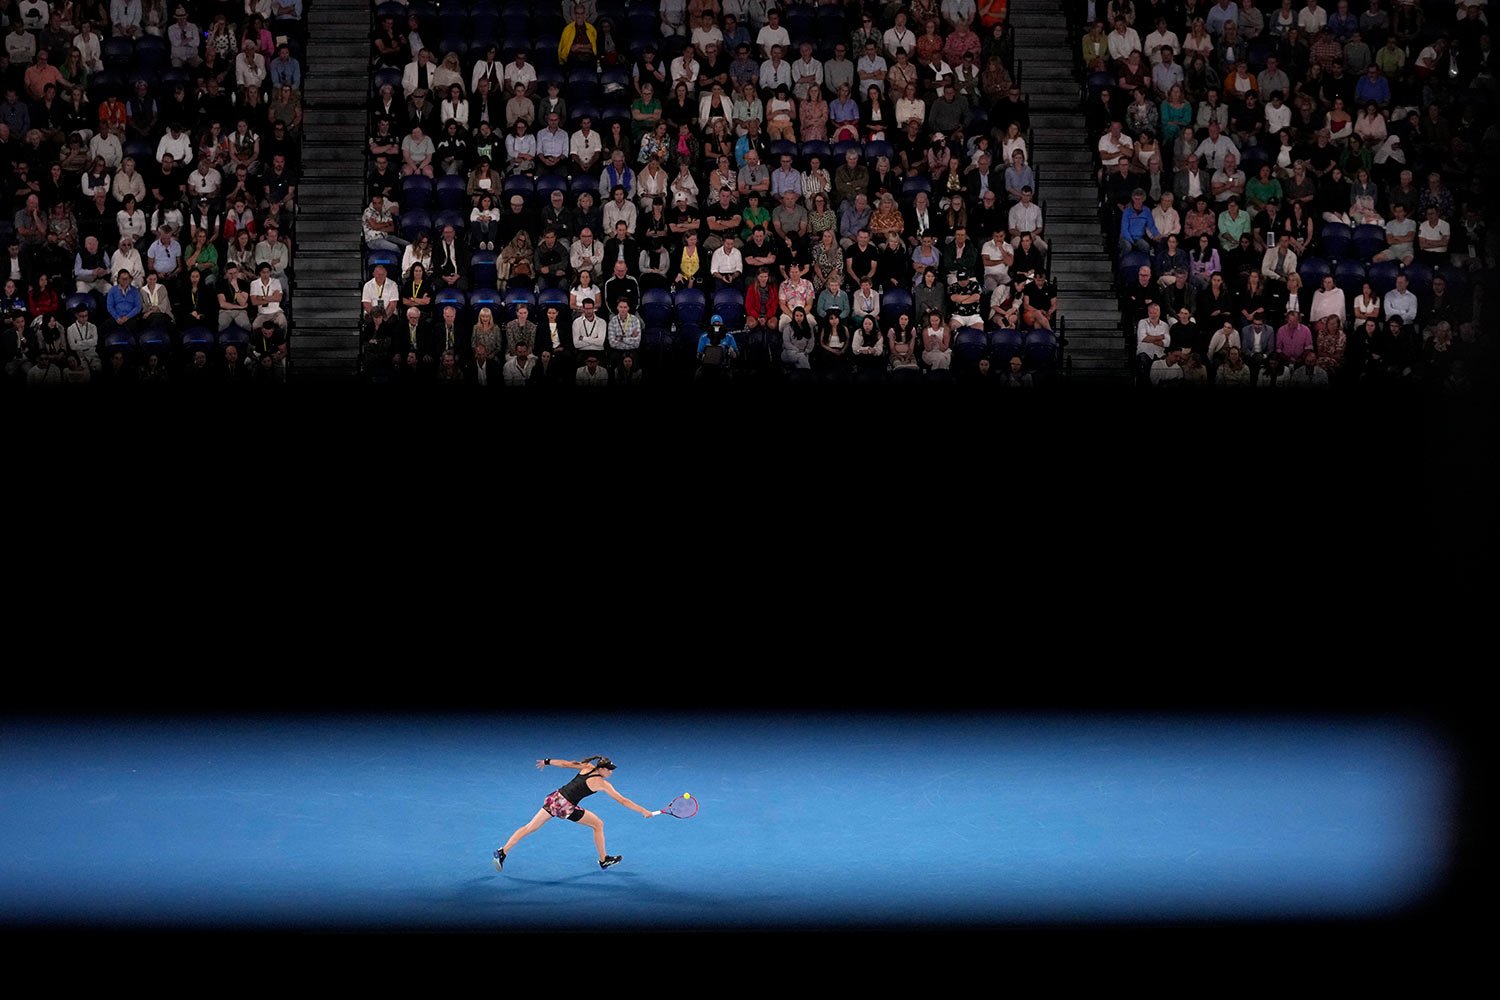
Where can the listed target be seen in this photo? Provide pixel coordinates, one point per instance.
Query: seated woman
(937, 350)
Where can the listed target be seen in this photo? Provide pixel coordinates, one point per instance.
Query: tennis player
(593, 776)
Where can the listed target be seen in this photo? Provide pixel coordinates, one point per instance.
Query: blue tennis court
(805, 821)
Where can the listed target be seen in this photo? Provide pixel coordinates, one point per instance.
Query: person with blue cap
(717, 349)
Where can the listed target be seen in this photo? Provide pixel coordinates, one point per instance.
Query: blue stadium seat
(519, 184)
(1382, 275)
(1006, 344)
(76, 301)
(118, 339)
(730, 304)
(234, 335)
(579, 110)
(615, 81)
(547, 183)
(413, 222)
(151, 51)
(1041, 350)
(450, 217)
(1349, 275)
(1369, 240)
(911, 185)
(453, 20)
(583, 183)
(875, 150)
(386, 75)
(488, 298)
(1418, 276)
(141, 151)
(117, 53)
(482, 272)
(843, 146)
(656, 347)
(688, 305)
(553, 297)
(154, 340)
(390, 8)
(389, 258)
(450, 297)
(1312, 270)
(780, 148)
(819, 148)
(656, 307)
(198, 338)
(1130, 266)
(416, 193)
(1336, 239)
(1456, 277)
(453, 193)
(893, 302)
(969, 346)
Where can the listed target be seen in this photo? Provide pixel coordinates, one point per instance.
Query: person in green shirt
(1262, 189)
(645, 112)
(754, 215)
(1233, 224)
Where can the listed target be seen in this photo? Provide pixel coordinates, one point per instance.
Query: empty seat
(1336, 238)
(1006, 344)
(1041, 350)
(688, 305)
(1369, 240)
(730, 304)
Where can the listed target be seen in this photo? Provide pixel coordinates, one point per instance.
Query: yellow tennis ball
(686, 795)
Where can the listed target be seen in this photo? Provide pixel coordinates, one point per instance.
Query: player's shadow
(506, 891)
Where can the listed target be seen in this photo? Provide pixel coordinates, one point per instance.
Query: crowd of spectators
(596, 194)
(1296, 191)
(150, 153)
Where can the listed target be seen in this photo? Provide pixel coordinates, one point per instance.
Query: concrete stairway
(329, 260)
(1047, 57)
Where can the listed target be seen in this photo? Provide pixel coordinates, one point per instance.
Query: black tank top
(578, 789)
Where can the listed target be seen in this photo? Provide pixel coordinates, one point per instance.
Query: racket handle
(656, 812)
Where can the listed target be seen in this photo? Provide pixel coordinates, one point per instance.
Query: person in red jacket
(762, 304)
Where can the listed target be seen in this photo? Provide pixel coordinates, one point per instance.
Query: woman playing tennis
(593, 776)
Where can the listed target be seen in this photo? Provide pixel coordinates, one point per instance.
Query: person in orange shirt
(41, 73)
(112, 114)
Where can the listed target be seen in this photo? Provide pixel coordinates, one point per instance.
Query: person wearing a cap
(716, 336)
(185, 39)
(964, 297)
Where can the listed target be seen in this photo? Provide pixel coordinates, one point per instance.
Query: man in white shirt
(585, 147)
(772, 35)
(586, 252)
(1432, 238)
(519, 367)
(1152, 334)
(590, 333)
(1228, 181)
(1163, 35)
(380, 294)
(1311, 19)
(177, 143)
(775, 71)
(993, 257)
(807, 72)
(1401, 302)
(553, 145)
(727, 265)
(1026, 217)
(1215, 147)
(1115, 145)
(519, 71)
(1278, 114)
(1123, 40)
(871, 69)
(266, 296)
(707, 32)
(1168, 368)
(684, 69)
(899, 36)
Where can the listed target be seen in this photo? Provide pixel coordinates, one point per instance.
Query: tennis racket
(683, 807)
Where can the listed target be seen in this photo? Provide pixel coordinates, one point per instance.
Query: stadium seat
(117, 53)
(482, 272)
(76, 301)
(416, 193)
(413, 222)
(893, 302)
(118, 339)
(519, 184)
(154, 340)
(151, 52)
(390, 258)
(1419, 276)
(1336, 239)
(688, 305)
(488, 298)
(1349, 275)
(656, 307)
(1006, 344)
(233, 335)
(1382, 275)
(198, 338)
(1369, 240)
(1041, 350)
(780, 148)
(969, 346)
(450, 297)
(911, 185)
(583, 183)
(453, 194)
(1130, 266)
(449, 217)
(552, 297)
(875, 150)
(730, 304)
(1312, 270)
